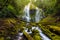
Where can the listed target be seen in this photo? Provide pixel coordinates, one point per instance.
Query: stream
(27, 17)
(43, 36)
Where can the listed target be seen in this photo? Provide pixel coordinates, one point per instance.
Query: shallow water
(43, 36)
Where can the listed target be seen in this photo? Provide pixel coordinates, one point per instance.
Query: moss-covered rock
(36, 37)
(50, 34)
(28, 36)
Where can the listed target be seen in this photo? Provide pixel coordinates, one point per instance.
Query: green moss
(36, 37)
(32, 24)
(48, 20)
(10, 7)
(35, 31)
(50, 34)
(32, 6)
(28, 36)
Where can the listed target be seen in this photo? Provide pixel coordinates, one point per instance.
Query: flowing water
(38, 14)
(43, 36)
(26, 13)
(38, 17)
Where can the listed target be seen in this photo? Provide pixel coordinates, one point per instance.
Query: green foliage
(7, 10)
(5, 13)
(20, 4)
(48, 6)
(45, 3)
(2, 4)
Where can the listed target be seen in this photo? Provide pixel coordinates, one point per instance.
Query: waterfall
(38, 14)
(27, 14)
(26, 11)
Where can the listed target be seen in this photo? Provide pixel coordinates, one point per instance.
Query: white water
(26, 13)
(37, 19)
(20, 36)
(43, 36)
(27, 17)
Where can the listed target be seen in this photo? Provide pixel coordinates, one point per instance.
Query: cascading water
(27, 14)
(27, 17)
(38, 16)
(43, 36)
